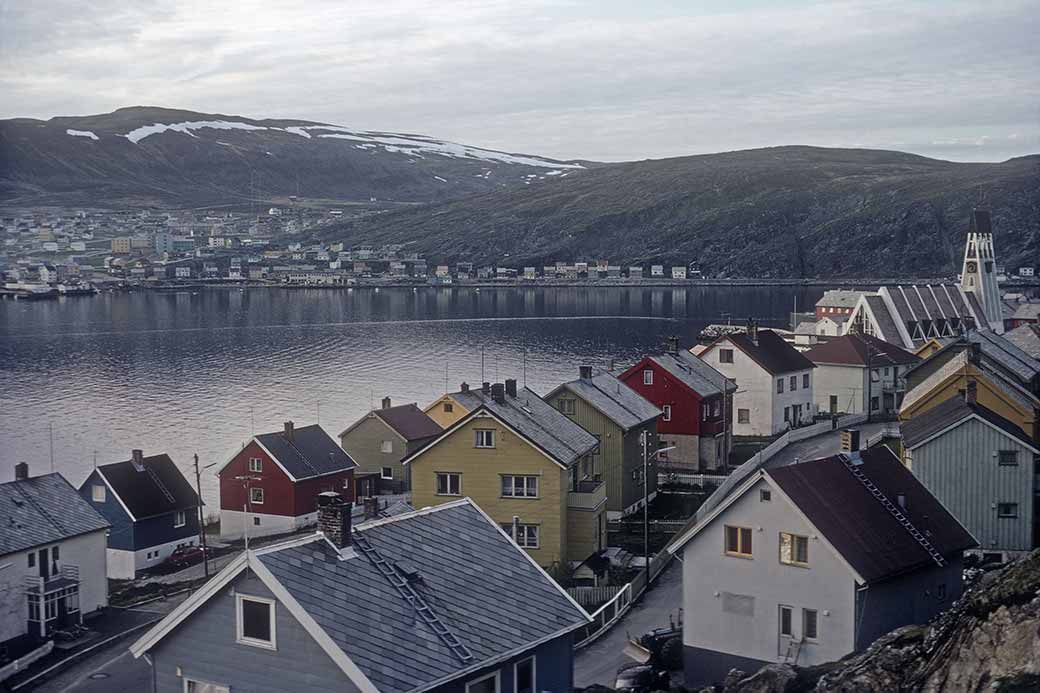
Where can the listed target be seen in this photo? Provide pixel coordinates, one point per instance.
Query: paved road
(599, 662)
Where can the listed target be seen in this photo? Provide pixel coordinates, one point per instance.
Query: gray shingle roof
(483, 588)
(1007, 354)
(884, 318)
(839, 298)
(1026, 338)
(42, 510)
(144, 492)
(951, 412)
(534, 419)
(311, 452)
(612, 398)
(694, 372)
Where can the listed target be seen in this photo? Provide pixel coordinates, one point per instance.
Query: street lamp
(647, 455)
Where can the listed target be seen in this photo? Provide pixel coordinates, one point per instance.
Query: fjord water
(198, 372)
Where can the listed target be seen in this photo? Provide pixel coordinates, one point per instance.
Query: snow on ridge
(297, 130)
(186, 127)
(82, 133)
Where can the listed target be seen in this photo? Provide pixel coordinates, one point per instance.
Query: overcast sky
(604, 79)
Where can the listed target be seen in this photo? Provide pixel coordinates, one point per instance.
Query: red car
(185, 556)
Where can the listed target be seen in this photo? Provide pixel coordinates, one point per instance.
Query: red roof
(853, 350)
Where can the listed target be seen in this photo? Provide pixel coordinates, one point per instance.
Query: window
(743, 416)
(255, 621)
(386, 473)
(519, 486)
(875, 404)
(765, 495)
(32, 559)
(34, 608)
(809, 624)
(526, 536)
(787, 413)
(794, 383)
(256, 464)
(1007, 509)
(1007, 458)
(387, 446)
(54, 554)
(779, 386)
(256, 521)
(485, 684)
(794, 549)
(738, 541)
(567, 406)
(50, 609)
(179, 519)
(786, 621)
(256, 495)
(193, 686)
(448, 407)
(667, 415)
(648, 377)
(874, 377)
(725, 356)
(523, 676)
(97, 493)
(449, 484)
(886, 371)
(805, 381)
(484, 438)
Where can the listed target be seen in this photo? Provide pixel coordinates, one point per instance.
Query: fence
(691, 479)
(21, 663)
(593, 596)
(608, 614)
(655, 526)
(889, 431)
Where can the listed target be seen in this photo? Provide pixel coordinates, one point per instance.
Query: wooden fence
(593, 596)
(610, 613)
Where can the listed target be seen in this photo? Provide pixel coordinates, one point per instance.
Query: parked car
(641, 678)
(184, 557)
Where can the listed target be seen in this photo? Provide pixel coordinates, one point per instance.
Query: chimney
(334, 518)
(974, 352)
(498, 393)
(752, 331)
(511, 387)
(585, 372)
(21, 471)
(371, 507)
(850, 440)
(486, 388)
(288, 433)
(671, 345)
(386, 403)
(464, 387)
(137, 459)
(971, 392)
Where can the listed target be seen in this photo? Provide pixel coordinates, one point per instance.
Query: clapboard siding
(960, 468)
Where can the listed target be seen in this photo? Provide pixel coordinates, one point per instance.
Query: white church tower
(979, 274)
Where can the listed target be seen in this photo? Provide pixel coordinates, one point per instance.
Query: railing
(22, 663)
(691, 479)
(587, 496)
(594, 596)
(37, 583)
(889, 431)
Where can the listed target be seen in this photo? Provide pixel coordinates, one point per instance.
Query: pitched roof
(612, 398)
(980, 222)
(311, 452)
(409, 421)
(157, 489)
(870, 539)
(882, 315)
(42, 510)
(951, 412)
(1027, 338)
(1000, 351)
(694, 372)
(853, 350)
(772, 351)
(839, 298)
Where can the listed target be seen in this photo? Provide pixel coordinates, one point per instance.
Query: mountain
(778, 212)
(165, 157)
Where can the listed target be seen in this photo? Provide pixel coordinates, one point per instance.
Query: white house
(855, 372)
(831, 325)
(782, 571)
(678, 273)
(774, 380)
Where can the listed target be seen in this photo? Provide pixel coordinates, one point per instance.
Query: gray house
(809, 562)
(435, 600)
(981, 467)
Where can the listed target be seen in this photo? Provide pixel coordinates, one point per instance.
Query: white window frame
(805, 614)
(533, 659)
(383, 474)
(457, 475)
(648, 376)
(252, 495)
(527, 481)
(480, 436)
(780, 621)
(180, 518)
(567, 406)
(253, 642)
(98, 493)
(739, 552)
(497, 676)
(386, 447)
(779, 386)
(256, 464)
(723, 354)
(666, 412)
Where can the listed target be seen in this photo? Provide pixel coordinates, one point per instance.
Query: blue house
(439, 599)
(151, 506)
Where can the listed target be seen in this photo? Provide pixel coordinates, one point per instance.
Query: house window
(193, 686)
(386, 446)
(484, 438)
(485, 684)
(255, 622)
(787, 413)
(97, 493)
(794, 383)
(50, 609)
(256, 464)
(32, 559)
(765, 495)
(448, 407)
(786, 621)
(34, 608)
(875, 404)
(386, 473)
(449, 484)
(809, 624)
(648, 377)
(886, 371)
(567, 406)
(874, 376)
(805, 381)
(179, 519)
(256, 495)
(738, 541)
(794, 549)
(1007, 458)
(526, 535)
(519, 486)
(524, 676)
(725, 356)
(743, 416)
(667, 415)
(779, 386)
(256, 521)
(1007, 509)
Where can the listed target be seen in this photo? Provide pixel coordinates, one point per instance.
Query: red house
(697, 418)
(272, 484)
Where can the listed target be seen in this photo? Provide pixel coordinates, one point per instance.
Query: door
(45, 564)
(63, 613)
(834, 404)
(786, 629)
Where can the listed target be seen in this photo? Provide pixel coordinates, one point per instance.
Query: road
(599, 662)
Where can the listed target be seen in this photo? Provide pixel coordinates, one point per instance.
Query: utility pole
(202, 521)
(50, 425)
(646, 510)
(248, 507)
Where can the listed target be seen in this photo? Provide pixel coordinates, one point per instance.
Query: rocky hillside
(779, 212)
(166, 157)
(988, 641)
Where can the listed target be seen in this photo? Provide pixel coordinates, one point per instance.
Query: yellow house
(447, 409)
(928, 348)
(525, 464)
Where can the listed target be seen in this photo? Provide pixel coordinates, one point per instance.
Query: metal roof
(614, 399)
(158, 488)
(311, 452)
(694, 372)
(43, 510)
(951, 412)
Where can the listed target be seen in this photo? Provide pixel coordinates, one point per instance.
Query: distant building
(121, 246)
(858, 373)
(837, 303)
(635, 272)
(656, 270)
(678, 273)
(1025, 271)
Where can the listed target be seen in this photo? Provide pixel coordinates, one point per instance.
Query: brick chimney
(850, 440)
(511, 387)
(334, 518)
(464, 387)
(671, 345)
(289, 433)
(498, 393)
(386, 403)
(137, 459)
(485, 387)
(371, 508)
(971, 392)
(752, 331)
(21, 471)
(585, 372)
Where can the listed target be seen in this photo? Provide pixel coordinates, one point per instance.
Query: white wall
(789, 398)
(754, 391)
(848, 383)
(826, 586)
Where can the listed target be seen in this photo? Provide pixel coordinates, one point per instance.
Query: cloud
(604, 80)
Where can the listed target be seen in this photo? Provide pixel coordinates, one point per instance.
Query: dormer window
(97, 493)
(255, 622)
(648, 377)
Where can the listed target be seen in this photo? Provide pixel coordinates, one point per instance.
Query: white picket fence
(9, 670)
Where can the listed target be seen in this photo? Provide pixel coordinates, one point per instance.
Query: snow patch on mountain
(140, 133)
(82, 133)
(294, 130)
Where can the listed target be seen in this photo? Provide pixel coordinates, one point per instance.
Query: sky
(603, 80)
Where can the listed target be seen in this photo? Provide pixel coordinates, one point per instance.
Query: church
(910, 315)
